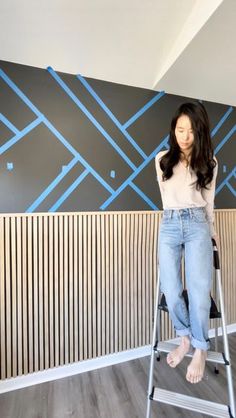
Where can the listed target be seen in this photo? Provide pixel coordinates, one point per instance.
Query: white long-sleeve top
(180, 191)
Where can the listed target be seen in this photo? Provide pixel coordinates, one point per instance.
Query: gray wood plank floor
(115, 392)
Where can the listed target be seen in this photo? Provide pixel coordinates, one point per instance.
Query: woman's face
(184, 134)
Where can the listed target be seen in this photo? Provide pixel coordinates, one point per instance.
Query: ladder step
(193, 404)
(212, 356)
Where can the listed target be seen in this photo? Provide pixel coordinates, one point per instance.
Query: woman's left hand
(217, 240)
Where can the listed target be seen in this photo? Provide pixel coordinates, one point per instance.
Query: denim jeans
(187, 229)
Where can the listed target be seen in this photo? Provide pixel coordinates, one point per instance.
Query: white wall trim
(20, 382)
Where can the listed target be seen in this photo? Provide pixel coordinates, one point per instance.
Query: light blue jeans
(187, 229)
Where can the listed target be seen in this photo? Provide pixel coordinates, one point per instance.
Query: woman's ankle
(185, 340)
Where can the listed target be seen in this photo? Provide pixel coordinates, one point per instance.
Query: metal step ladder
(203, 406)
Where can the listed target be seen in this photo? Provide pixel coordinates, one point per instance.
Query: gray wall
(70, 143)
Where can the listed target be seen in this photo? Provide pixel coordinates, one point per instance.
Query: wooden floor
(115, 392)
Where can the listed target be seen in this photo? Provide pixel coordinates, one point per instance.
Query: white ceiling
(184, 47)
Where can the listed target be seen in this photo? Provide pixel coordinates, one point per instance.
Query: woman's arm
(209, 196)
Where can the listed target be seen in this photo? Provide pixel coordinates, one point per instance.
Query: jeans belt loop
(191, 213)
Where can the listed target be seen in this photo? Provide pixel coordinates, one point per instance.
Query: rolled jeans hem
(202, 345)
(183, 332)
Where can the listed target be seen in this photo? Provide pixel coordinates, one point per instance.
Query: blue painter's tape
(143, 196)
(20, 135)
(143, 109)
(68, 192)
(225, 139)
(226, 181)
(112, 174)
(233, 191)
(135, 173)
(19, 93)
(8, 124)
(111, 115)
(10, 166)
(222, 120)
(75, 99)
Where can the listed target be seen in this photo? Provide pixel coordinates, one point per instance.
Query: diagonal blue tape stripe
(222, 120)
(143, 109)
(69, 191)
(20, 135)
(233, 191)
(223, 183)
(110, 114)
(135, 173)
(41, 118)
(8, 124)
(143, 196)
(52, 186)
(78, 156)
(225, 139)
(14, 87)
(90, 117)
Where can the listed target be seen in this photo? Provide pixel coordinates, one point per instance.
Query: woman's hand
(217, 240)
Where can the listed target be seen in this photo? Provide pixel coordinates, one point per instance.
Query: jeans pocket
(165, 219)
(199, 217)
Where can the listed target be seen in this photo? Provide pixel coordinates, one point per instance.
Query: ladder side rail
(154, 338)
(224, 332)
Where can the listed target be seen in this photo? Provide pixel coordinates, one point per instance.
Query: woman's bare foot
(195, 370)
(177, 355)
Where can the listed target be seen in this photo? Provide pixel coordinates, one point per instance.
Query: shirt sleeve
(209, 196)
(159, 173)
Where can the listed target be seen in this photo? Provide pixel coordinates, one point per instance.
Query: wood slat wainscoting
(76, 286)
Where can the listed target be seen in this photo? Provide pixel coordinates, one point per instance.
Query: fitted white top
(180, 191)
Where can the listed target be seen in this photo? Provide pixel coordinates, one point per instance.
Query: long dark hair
(202, 162)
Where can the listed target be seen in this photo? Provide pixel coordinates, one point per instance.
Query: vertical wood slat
(45, 262)
(111, 282)
(127, 279)
(56, 293)
(88, 254)
(51, 295)
(61, 291)
(26, 328)
(81, 279)
(41, 295)
(35, 294)
(124, 282)
(131, 269)
(13, 295)
(2, 302)
(19, 281)
(76, 286)
(94, 288)
(76, 291)
(65, 301)
(143, 284)
(116, 288)
(147, 278)
(107, 286)
(8, 300)
(135, 280)
(99, 286)
(85, 288)
(139, 277)
(120, 283)
(71, 290)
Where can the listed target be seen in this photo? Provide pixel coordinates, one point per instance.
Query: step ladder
(203, 406)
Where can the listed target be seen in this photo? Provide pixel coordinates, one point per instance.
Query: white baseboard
(20, 382)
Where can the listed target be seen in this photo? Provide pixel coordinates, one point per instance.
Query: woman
(186, 175)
